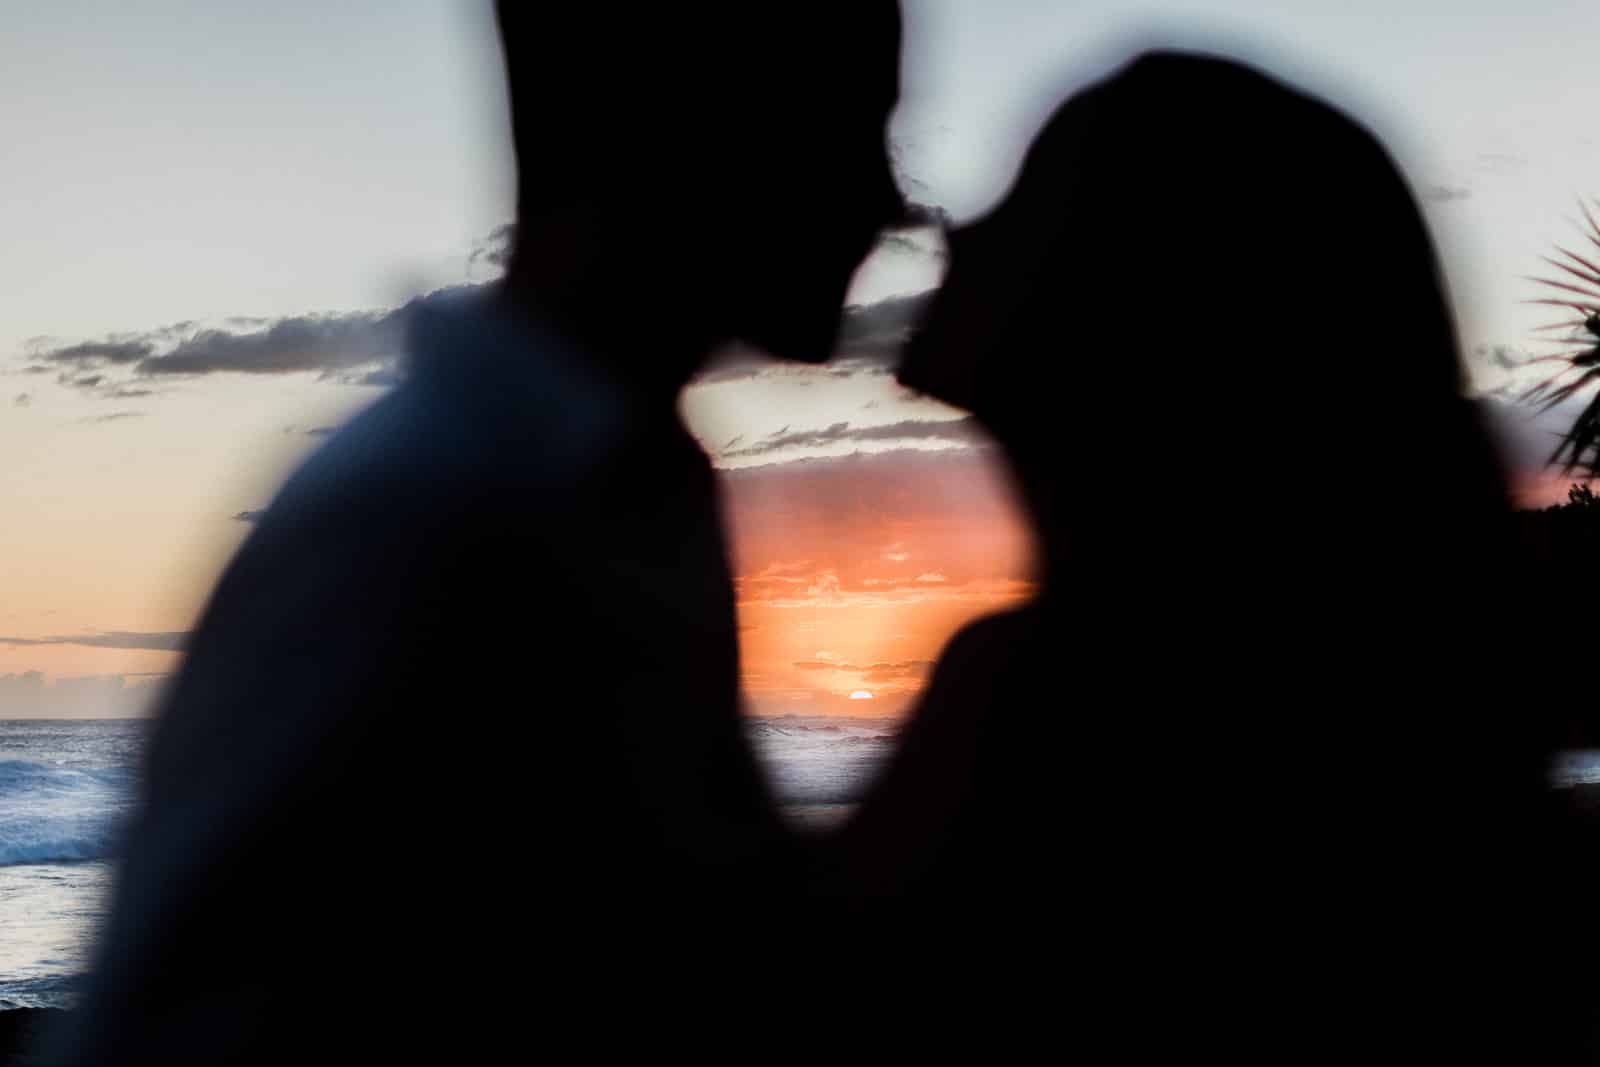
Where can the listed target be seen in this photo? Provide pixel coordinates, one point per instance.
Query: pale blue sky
(171, 160)
(168, 160)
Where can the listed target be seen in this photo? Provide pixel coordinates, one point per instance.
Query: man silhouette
(468, 695)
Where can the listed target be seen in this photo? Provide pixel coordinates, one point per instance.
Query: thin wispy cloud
(494, 250)
(958, 431)
(1500, 357)
(870, 339)
(871, 672)
(160, 641)
(876, 332)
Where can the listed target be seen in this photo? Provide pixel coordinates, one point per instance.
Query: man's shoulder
(408, 443)
(422, 451)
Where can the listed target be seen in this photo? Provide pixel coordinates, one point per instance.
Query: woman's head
(1209, 282)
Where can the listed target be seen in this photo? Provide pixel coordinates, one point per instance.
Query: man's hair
(601, 93)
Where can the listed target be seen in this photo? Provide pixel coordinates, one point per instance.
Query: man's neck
(642, 344)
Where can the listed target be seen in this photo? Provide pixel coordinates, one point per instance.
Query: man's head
(710, 171)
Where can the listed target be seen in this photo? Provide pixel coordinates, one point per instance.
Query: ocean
(819, 766)
(67, 785)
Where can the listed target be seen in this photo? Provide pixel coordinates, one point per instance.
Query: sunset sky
(212, 209)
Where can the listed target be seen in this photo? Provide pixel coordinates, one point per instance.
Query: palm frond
(1576, 288)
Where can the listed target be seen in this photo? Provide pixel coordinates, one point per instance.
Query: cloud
(250, 516)
(874, 672)
(22, 400)
(876, 332)
(115, 416)
(162, 641)
(367, 347)
(362, 347)
(787, 570)
(1443, 194)
(322, 431)
(494, 250)
(959, 430)
(305, 343)
(904, 675)
(29, 695)
(1504, 357)
(883, 673)
(924, 237)
(870, 338)
(929, 214)
(899, 242)
(859, 529)
(736, 363)
(823, 584)
(383, 377)
(99, 353)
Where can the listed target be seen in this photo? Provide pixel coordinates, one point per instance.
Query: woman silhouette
(1245, 719)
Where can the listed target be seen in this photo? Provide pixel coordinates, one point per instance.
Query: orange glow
(852, 573)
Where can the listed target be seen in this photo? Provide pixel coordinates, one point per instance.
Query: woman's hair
(1204, 278)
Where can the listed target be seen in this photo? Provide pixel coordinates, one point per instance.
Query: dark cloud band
(362, 346)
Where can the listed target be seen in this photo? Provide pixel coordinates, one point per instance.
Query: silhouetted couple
(456, 744)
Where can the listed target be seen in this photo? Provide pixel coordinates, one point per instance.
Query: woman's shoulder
(988, 645)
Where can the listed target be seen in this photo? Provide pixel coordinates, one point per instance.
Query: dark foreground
(19, 1029)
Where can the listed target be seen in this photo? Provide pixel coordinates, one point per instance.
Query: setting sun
(861, 694)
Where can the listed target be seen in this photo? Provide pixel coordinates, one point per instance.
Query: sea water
(67, 786)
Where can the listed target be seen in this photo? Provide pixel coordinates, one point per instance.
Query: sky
(212, 209)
